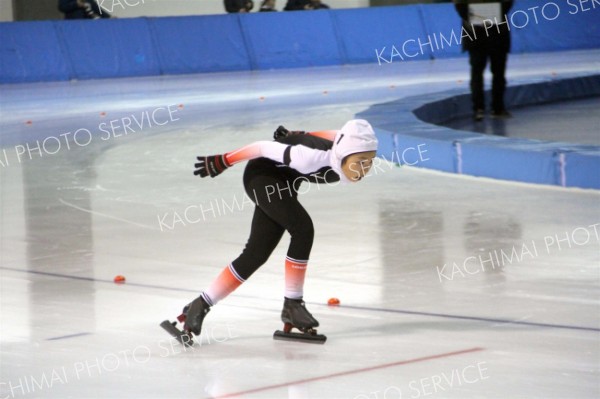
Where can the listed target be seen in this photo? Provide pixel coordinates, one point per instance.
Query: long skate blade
(183, 338)
(299, 337)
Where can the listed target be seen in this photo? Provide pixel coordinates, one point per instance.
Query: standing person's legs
(478, 62)
(498, 58)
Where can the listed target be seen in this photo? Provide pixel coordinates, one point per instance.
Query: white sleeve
(273, 150)
(304, 159)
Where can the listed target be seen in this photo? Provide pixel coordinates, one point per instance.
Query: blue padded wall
(582, 168)
(290, 39)
(199, 44)
(31, 52)
(60, 50)
(497, 157)
(362, 32)
(439, 154)
(509, 159)
(573, 24)
(108, 48)
(443, 25)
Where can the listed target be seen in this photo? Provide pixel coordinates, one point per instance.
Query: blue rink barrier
(188, 45)
(410, 122)
(110, 48)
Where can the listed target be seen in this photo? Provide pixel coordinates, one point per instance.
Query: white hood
(356, 135)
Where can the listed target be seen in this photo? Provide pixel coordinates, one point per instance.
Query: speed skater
(271, 179)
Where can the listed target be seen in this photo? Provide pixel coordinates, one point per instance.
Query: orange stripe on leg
(223, 285)
(295, 272)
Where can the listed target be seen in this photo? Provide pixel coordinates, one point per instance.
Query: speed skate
(295, 315)
(183, 336)
(308, 335)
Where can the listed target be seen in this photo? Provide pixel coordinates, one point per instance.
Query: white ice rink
(450, 286)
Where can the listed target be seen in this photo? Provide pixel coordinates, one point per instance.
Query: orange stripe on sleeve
(324, 134)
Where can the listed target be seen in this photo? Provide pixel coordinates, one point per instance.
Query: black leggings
(478, 58)
(277, 210)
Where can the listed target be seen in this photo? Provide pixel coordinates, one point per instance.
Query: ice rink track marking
(107, 216)
(346, 373)
(475, 318)
(362, 308)
(69, 336)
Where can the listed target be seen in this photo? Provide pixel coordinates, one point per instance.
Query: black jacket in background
(481, 38)
(295, 5)
(73, 11)
(233, 6)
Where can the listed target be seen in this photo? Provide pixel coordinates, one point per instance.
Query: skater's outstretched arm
(299, 157)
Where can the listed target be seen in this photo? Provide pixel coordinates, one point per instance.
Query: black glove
(212, 165)
(281, 132)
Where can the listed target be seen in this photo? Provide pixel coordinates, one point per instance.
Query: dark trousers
(277, 210)
(478, 58)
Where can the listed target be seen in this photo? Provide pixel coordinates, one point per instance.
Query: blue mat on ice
(408, 135)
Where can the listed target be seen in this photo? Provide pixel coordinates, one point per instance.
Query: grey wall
(27, 10)
(48, 9)
(6, 10)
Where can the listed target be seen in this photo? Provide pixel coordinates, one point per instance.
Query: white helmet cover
(356, 136)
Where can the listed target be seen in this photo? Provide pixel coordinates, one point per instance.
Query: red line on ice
(349, 372)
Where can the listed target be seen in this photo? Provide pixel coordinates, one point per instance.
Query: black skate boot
(295, 315)
(192, 316)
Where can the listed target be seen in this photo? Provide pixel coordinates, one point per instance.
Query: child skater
(271, 180)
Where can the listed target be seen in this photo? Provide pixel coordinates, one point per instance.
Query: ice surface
(407, 251)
